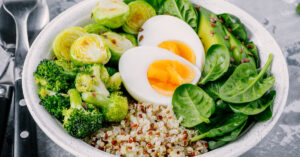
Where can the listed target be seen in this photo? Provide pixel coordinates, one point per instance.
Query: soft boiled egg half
(175, 35)
(151, 74)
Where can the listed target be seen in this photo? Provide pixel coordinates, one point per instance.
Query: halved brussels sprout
(117, 44)
(96, 29)
(140, 12)
(130, 37)
(64, 40)
(111, 13)
(88, 49)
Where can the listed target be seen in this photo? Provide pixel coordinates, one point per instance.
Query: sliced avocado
(210, 29)
(239, 51)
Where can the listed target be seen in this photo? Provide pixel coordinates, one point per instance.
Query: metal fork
(24, 141)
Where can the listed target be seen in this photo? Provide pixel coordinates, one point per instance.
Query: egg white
(165, 27)
(133, 67)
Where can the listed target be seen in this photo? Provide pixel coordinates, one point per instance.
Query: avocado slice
(210, 29)
(239, 52)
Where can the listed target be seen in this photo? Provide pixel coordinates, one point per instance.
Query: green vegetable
(240, 52)
(140, 12)
(131, 38)
(156, 4)
(111, 70)
(221, 141)
(182, 9)
(210, 30)
(111, 13)
(255, 107)
(216, 63)
(117, 44)
(114, 108)
(55, 75)
(221, 108)
(192, 104)
(245, 85)
(298, 8)
(213, 88)
(88, 49)
(266, 114)
(53, 102)
(78, 121)
(114, 83)
(235, 25)
(64, 40)
(96, 29)
(227, 125)
(253, 51)
(90, 80)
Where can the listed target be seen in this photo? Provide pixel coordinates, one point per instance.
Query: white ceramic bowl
(80, 15)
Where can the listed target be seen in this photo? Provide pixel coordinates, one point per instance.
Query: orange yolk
(165, 76)
(179, 49)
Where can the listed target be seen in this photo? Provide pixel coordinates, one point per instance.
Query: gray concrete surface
(281, 20)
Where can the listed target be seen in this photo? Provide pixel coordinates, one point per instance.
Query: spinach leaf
(213, 88)
(298, 8)
(156, 4)
(192, 104)
(221, 108)
(255, 107)
(221, 141)
(235, 25)
(216, 63)
(182, 9)
(266, 114)
(245, 85)
(226, 125)
(253, 51)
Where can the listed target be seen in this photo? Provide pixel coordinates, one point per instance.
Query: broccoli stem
(99, 100)
(75, 99)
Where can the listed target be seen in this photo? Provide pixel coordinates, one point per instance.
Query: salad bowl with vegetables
(155, 78)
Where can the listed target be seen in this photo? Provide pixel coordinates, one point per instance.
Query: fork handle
(25, 128)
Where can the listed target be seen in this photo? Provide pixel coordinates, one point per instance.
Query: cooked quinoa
(148, 130)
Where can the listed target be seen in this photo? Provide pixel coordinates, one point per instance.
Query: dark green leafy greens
(298, 8)
(235, 25)
(245, 85)
(253, 51)
(221, 141)
(255, 107)
(156, 4)
(182, 9)
(226, 125)
(192, 104)
(216, 63)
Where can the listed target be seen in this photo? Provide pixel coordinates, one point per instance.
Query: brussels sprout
(131, 37)
(111, 13)
(96, 29)
(88, 49)
(117, 44)
(64, 40)
(140, 12)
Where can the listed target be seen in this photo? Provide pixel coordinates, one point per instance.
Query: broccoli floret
(53, 102)
(114, 108)
(56, 76)
(92, 79)
(114, 83)
(80, 120)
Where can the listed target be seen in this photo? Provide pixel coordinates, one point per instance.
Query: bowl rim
(85, 150)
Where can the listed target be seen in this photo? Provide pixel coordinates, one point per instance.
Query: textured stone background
(281, 20)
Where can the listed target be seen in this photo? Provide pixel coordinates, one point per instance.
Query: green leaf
(216, 63)
(229, 123)
(253, 51)
(266, 114)
(156, 4)
(182, 9)
(192, 104)
(235, 25)
(221, 141)
(298, 8)
(255, 107)
(245, 85)
(213, 88)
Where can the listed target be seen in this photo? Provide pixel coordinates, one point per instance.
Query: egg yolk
(165, 76)
(179, 49)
